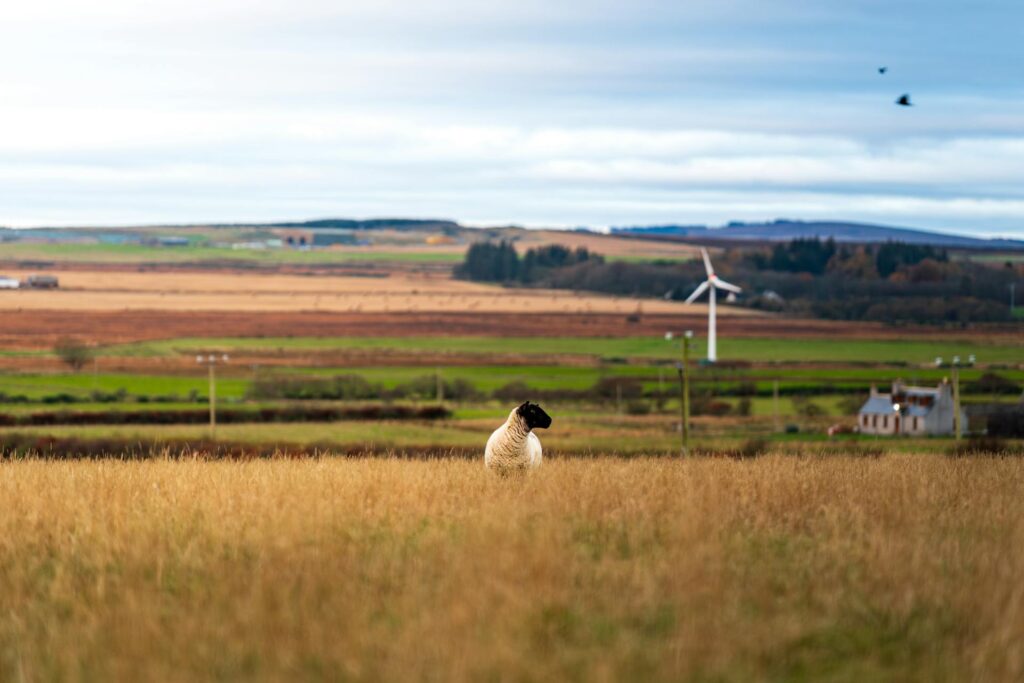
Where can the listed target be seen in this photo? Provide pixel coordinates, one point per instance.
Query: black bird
(882, 69)
(904, 101)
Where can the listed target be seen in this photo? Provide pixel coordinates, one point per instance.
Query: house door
(896, 429)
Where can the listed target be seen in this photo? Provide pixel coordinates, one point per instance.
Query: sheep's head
(534, 416)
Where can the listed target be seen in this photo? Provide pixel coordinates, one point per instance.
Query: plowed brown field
(39, 329)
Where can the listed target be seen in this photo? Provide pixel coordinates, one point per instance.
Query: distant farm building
(922, 411)
(41, 282)
(8, 282)
(296, 238)
(171, 241)
(317, 238)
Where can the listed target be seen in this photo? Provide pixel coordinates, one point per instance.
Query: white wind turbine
(712, 283)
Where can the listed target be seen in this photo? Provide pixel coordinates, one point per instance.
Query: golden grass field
(904, 567)
(274, 292)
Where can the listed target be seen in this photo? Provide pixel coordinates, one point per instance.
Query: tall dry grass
(893, 568)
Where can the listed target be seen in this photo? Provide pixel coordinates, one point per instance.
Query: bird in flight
(883, 69)
(904, 101)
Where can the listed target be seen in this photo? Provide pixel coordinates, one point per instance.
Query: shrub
(718, 408)
(806, 407)
(611, 388)
(638, 407)
(349, 387)
(1007, 423)
(51, 399)
(746, 388)
(73, 352)
(752, 448)
(985, 446)
(513, 391)
(300, 413)
(743, 408)
(462, 390)
(851, 405)
(993, 383)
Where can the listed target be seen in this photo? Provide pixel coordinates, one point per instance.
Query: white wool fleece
(513, 446)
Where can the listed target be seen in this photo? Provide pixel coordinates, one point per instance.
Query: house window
(874, 421)
(915, 423)
(864, 420)
(885, 422)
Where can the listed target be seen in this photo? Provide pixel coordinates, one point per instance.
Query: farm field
(576, 432)
(85, 291)
(327, 530)
(763, 350)
(33, 329)
(234, 383)
(389, 247)
(899, 567)
(140, 254)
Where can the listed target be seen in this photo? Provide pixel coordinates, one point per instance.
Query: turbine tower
(711, 284)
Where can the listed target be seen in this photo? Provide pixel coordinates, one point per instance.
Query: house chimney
(874, 390)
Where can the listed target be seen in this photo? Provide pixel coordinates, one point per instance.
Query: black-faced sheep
(513, 446)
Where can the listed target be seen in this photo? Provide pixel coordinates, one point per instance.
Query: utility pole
(213, 403)
(956, 398)
(683, 368)
(1013, 287)
(687, 336)
(440, 386)
(211, 361)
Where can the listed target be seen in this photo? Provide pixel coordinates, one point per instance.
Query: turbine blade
(697, 292)
(707, 262)
(722, 284)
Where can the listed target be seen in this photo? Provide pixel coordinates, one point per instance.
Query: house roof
(920, 391)
(879, 404)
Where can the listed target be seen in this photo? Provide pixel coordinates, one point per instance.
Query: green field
(572, 432)
(35, 386)
(132, 253)
(233, 383)
(743, 349)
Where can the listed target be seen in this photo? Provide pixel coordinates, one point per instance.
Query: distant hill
(372, 224)
(783, 230)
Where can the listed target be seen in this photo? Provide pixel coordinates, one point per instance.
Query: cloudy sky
(532, 112)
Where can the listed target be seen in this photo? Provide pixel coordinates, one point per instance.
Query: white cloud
(523, 111)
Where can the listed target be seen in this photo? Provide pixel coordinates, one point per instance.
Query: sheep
(513, 447)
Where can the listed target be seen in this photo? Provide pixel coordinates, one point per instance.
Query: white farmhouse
(9, 282)
(910, 410)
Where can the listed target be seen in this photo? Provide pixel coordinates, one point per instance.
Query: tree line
(499, 262)
(890, 282)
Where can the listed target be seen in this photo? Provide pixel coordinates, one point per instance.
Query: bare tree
(73, 351)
